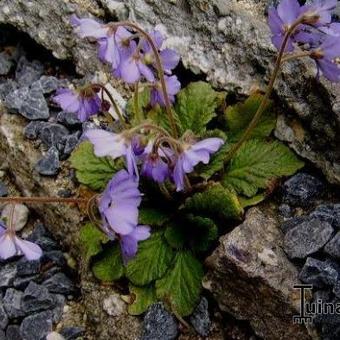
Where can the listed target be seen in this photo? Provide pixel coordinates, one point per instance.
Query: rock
(329, 213)
(72, 333)
(333, 246)
(48, 84)
(21, 283)
(307, 238)
(26, 267)
(68, 119)
(36, 326)
(32, 130)
(114, 305)
(12, 303)
(55, 257)
(59, 303)
(60, 284)
(15, 99)
(7, 87)
(69, 143)
(44, 242)
(302, 189)
(49, 165)
(5, 63)
(51, 134)
(20, 216)
(285, 210)
(159, 324)
(2, 335)
(319, 273)
(3, 316)
(293, 222)
(336, 289)
(200, 318)
(54, 336)
(250, 267)
(3, 190)
(28, 72)
(37, 298)
(13, 333)
(7, 275)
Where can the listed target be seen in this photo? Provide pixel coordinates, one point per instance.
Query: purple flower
(172, 85)
(11, 245)
(154, 167)
(129, 243)
(114, 145)
(119, 203)
(84, 103)
(319, 12)
(280, 19)
(191, 156)
(325, 56)
(89, 27)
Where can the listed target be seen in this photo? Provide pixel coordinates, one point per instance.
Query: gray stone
(70, 142)
(44, 242)
(48, 84)
(319, 273)
(2, 335)
(55, 257)
(22, 282)
(51, 134)
(200, 318)
(336, 289)
(36, 326)
(3, 190)
(5, 63)
(49, 165)
(3, 316)
(329, 213)
(285, 210)
(293, 222)
(20, 216)
(58, 310)
(26, 267)
(28, 72)
(60, 284)
(307, 238)
(333, 246)
(12, 303)
(13, 333)
(302, 189)
(36, 298)
(72, 333)
(15, 99)
(68, 119)
(159, 324)
(32, 129)
(7, 275)
(7, 87)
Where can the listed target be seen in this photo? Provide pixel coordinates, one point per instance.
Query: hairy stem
(18, 199)
(301, 54)
(159, 67)
(138, 113)
(270, 87)
(149, 126)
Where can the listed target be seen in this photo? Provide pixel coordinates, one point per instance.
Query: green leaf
(180, 288)
(153, 258)
(249, 202)
(195, 106)
(143, 298)
(175, 235)
(91, 170)
(91, 240)
(109, 266)
(215, 201)
(239, 116)
(257, 164)
(152, 217)
(159, 117)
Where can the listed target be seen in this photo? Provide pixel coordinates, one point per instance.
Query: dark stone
(329, 213)
(38, 232)
(51, 134)
(3, 190)
(49, 273)
(319, 273)
(36, 326)
(307, 238)
(336, 289)
(72, 333)
(68, 119)
(60, 284)
(26, 267)
(35, 106)
(302, 189)
(58, 310)
(3, 316)
(15, 99)
(159, 324)
(48, 84)
(12, 303)
(5, 63)
(46, 243)
(7, 87)
(285, 210)
(333, 246)
(32, 130)
(13, 332)
(7, 275)
(37, 298)
(2, 335)
(65, 193)
(49, 165)
(54, 256)
(70, 142)
(293, 222)
(200, 318)
(22, 282)
(28, 72)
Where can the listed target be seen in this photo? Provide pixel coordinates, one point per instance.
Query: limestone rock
(251, 277)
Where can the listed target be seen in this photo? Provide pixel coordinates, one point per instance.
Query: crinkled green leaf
(195, 106)
(180, 288)
(257, 163)
(249, 202)
(108, 266)
(215, 201)
(239, 116)
(143, 298)
(159, 116)
(93, 171)
(91, 240)
(152, 216)
(151, 262)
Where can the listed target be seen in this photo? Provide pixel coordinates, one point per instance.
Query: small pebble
(200, 318)
(3, 316)
(49, 165)
(36, 326)
(13, 333)
(72, 333)
(20, 216)
(12, 303)
(60, 284)
(3, 190)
